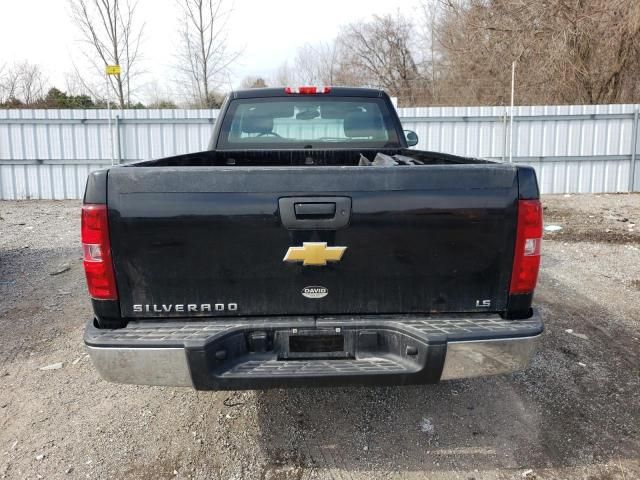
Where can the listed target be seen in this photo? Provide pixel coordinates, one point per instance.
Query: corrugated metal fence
(47, 154)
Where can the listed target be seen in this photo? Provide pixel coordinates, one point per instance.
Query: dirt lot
(574, 414)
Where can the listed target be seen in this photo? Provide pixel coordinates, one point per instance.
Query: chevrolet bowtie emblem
(314, 253)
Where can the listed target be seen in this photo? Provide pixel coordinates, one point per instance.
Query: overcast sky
(269, 31)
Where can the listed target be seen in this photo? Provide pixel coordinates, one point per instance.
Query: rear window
(307, 122)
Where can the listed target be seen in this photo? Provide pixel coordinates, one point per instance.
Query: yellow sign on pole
(112, 70)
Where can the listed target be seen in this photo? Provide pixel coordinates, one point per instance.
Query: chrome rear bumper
(393, 351)
(488, 357)
(142, 366)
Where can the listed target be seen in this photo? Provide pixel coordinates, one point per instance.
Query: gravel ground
(574, 414)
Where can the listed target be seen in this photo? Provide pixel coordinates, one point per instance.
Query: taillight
(307, 90)
(526, 261)
(96, 253)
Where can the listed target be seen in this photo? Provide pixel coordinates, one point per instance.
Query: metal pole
(110, 129)
(634, 152)
(505, 135)
(118, 150)
(513, 92)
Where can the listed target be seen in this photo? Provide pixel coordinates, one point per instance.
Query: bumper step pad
(273, 368)
(454, 327)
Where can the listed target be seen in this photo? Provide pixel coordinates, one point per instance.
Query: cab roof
(335, 92)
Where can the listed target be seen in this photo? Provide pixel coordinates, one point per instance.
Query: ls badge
(314, 254)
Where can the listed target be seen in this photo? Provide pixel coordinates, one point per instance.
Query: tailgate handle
(314, 213)
(326, 210)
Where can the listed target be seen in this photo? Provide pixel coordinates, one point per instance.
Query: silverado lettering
(431, 259)
(185, 307)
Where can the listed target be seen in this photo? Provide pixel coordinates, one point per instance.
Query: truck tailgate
(210, 241)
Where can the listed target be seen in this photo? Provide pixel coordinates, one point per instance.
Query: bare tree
(112, 37)
(10, 82)
(461, 52)
(7, 86)
(317, 64)
(283, 75)
(74, 85)
(313, 64)
(32, 83)
(23, 83)
(430, 17)
(157, 94)
(382, 53)
(585, 51)
(204, 56)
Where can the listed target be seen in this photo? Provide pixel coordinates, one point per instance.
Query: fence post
(634, 154)
(504, 135)
(118, 151)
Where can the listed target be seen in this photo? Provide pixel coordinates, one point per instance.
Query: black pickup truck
(310, 246)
